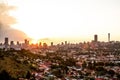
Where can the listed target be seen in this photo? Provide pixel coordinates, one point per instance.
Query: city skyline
(72, 20)
(59, 39)
(8, 40)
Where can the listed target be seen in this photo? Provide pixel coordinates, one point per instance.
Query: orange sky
(72, 20)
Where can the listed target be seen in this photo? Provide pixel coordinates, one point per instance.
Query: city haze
(72, 20)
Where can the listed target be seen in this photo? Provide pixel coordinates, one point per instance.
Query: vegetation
(16, 63)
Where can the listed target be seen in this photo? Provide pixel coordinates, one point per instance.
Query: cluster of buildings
(18, 46)
(101, 62)
(6, 45)
(89, 57)
(26, 45)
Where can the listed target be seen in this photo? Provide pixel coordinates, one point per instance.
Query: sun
(40, 21)
(34, 41)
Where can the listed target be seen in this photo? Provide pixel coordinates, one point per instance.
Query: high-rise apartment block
(108, 37)
(95, 38)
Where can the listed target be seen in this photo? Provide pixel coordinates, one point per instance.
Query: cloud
(6, 21)
(5, 18)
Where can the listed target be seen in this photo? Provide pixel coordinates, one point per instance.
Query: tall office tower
(62, 43)
(51, 43)
(12, 43)
(40, 44)
(95, 38)
(108, 37)
(6, 41)
(18, 43)
(65, 42)
(26, 42)
(45, 45)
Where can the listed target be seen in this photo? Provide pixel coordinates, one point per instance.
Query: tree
(57, 73)
(84, 65)
(70, 62)
(111, 72)
(118, 76)
(28, 75)
(100, 71)
(5, 76)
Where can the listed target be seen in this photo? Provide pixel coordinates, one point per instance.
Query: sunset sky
(72, 20)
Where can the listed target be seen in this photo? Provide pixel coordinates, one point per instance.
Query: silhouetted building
(51, 43)
(65, 42)
(62, 43)
(6, 43)
(18, 43)
(12, 43)
(26, 42)
(40, 45)
(108, 37)
(45, 45)
(95, 38)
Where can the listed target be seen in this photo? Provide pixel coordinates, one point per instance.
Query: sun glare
(65, 18)
(34, 41)
(41, 21)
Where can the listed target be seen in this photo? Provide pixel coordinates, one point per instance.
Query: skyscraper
(51, 43)
(6, 41)
(12, 43)
(18, 43)
(108, 37)
(65, 42)
(95, 38)
(26, 42)
(45, 45)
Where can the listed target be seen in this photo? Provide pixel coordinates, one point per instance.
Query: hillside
(15, 64)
